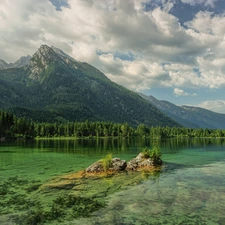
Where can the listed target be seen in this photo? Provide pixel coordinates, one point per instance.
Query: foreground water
(189, 190)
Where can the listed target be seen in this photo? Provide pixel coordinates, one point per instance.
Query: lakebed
(189, 189)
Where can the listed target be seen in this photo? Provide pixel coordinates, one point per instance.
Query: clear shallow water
(187, 196)
(190, 189)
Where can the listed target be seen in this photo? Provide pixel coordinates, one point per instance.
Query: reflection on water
(114, 145)
(190, 190)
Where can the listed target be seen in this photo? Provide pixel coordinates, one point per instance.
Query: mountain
(3, 64)
(188, 116)
(206, 117)
(54, 87)
(23, 61)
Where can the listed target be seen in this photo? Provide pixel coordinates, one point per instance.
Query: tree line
(13, 127)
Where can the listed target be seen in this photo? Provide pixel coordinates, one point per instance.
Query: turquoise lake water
(189, 190)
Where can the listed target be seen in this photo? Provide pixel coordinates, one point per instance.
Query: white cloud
(165, 53)
(207, 23)
(210, 3)
(180, 92)
(215, 105)
(137, 75)
(168, 6)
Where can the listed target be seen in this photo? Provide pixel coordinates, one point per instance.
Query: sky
(171, 49)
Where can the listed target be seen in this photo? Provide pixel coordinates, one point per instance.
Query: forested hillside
(53, 87)
(189, 116)
(12, 127)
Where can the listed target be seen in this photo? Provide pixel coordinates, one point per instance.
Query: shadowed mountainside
(54, 87)
(189, 116)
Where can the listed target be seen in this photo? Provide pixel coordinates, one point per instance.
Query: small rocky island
(146, 160)
(108, 175)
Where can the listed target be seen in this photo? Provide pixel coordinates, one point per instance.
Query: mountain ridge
(21, 62)
(189, 116)
(69, 90)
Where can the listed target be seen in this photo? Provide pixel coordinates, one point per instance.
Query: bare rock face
(140, 161)
(23, 61)
(3, 65)
(96, 167)
(116, 165)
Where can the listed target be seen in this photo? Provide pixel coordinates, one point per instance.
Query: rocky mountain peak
(44, 53)
(66, 58)
(41, 61)
(58, 88)
(62, 54)
(3, 64)
(23, 61)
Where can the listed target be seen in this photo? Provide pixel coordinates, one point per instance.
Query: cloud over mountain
(164, 52)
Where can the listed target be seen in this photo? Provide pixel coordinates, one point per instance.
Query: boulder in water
(116, 165)
(142, 162)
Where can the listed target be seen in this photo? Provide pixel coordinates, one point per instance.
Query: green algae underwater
(190, 189)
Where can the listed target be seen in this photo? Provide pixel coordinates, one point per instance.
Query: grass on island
(155, 153)
(106, 162)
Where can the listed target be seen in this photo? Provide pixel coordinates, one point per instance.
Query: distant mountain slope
(193, 117)
(204, 117)
(3, 64)
(56, 87)
(23, 61)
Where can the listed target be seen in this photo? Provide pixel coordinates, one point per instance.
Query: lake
(189, 190)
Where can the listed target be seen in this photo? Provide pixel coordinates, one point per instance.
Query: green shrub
(106, 162)
(154, 154)
(146, 153)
